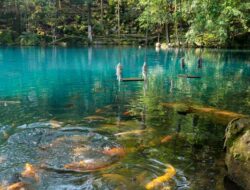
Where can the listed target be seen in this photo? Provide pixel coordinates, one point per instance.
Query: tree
(155, 15)
(89, 3)
(215, 23)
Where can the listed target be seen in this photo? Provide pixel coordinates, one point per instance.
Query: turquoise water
(77, 87)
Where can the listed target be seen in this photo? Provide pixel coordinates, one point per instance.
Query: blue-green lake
(60, 106)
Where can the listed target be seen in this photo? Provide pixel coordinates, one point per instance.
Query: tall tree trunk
(181, 20)
(59, 4)
(176, 23)
(53, 26)
(17, 21)
(118, 18)
(89, 22)
(167, 33)
(26, 19)
(54, 30)
(102, 14)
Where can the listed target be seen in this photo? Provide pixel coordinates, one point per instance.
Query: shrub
(29, 39)
(6, 37)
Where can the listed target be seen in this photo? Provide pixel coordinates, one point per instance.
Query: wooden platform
(131, 79)
(189, 76)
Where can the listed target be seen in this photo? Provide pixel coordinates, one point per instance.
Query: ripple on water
(48, 150)
(71, 158)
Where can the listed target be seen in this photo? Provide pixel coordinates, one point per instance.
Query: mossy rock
(237, 144)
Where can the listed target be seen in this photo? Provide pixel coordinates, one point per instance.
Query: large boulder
(237, 145)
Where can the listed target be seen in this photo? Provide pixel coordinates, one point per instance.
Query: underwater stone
(5, 131)
(35, 125)
(55, 149)
(237, 145)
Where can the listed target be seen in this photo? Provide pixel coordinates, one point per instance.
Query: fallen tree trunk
(218, 116)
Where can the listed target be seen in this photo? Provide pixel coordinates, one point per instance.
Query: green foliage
(201, 22)
(215, 23)
(29, 39)
(6, 37)
(155, 13)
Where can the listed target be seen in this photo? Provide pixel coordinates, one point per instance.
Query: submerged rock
(237, 145)
(30, 172)
(6, 103)
(60, 150)
(94, 118)
(48, 124)
(16, 186)
(5, 132)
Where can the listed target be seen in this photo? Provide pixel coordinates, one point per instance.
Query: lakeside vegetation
(208, 23)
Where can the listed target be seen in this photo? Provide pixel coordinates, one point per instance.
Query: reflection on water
(64, 114)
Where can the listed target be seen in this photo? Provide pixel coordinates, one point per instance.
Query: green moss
(235, 130)
(239, 148)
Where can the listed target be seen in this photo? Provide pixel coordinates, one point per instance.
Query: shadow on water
(67, 124)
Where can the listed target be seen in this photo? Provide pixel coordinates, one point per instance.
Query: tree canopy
(210, 23)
